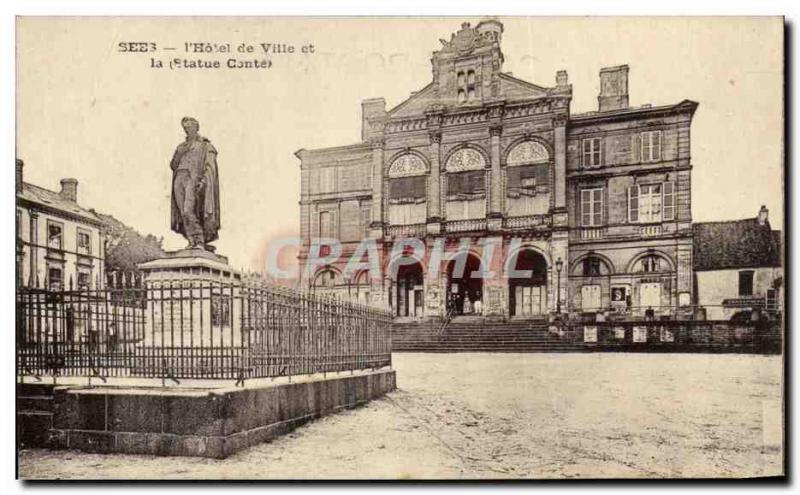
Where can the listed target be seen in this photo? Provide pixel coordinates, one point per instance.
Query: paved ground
(513, 415)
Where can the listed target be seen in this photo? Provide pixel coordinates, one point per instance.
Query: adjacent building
(58, 242)
(595, 207)
(738, 266)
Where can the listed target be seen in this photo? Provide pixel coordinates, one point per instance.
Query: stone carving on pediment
(407, 165)
(527, 152)
(465, 159)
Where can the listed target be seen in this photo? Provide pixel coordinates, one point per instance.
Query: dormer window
(467, 87)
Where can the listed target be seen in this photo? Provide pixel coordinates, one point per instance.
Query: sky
(89, 111)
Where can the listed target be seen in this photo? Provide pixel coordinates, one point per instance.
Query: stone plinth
(191, 264)
(193, 307)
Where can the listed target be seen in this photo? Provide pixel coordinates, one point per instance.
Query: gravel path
(513, 415)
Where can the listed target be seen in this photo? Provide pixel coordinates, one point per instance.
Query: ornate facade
(597, 205)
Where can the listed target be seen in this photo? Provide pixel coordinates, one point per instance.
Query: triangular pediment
(417, 103)
(511, 89)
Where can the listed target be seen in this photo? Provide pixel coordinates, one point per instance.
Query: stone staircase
(474, 334)
(34, 414)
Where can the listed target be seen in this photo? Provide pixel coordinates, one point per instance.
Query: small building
(737, 266)
(57, 240)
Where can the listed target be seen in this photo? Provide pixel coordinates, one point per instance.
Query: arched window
(465, 185)
(592, 266)
(326, 279)
(407, 190)
(467, 86)
(651, 263)
(528, 179)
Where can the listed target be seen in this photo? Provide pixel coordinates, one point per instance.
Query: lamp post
(559, 266)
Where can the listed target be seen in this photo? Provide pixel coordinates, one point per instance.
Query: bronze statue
(195, 188)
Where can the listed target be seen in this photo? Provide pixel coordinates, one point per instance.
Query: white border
(464, 8)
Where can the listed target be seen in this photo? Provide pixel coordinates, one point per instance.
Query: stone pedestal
(194, 300)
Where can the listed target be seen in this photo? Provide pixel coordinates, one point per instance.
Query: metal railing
(195, 329)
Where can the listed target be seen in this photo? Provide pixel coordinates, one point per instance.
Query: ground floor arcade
(507, 277)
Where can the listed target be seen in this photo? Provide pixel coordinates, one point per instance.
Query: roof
(736, 244)
(52, 201)
(648, 110)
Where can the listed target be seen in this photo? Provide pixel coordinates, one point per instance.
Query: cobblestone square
(512, 415)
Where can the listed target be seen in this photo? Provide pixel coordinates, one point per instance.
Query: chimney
(69, 190)
(763, 215)
(20, 165)
(373, 116)
(613, 88)
(562, 79)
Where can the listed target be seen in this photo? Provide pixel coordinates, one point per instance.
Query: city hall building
(595, 208)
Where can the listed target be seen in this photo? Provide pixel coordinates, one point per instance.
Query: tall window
(591, 207)
(327, 227)
(649, 203)
(327, 180)
(745, 283)
(592, 155)
(467, 87)
(651, 146)
(84, 280)
(84, 242)
(55, 238)
(55, 278)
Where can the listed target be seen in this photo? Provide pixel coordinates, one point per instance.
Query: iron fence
(189, 328)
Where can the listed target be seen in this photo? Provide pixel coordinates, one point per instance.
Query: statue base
(194, 300)
(191, 264)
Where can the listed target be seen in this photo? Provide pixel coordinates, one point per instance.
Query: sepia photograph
(400, 248)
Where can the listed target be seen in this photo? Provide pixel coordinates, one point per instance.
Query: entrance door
(529, 300)
(464, 289)
(528, 296)
(650, 296)
(590, 297)
(409, 290)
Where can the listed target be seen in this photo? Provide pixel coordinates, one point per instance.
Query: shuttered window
(651, 146)
(591, 207)
(648, 203)
(592, 152)
(669, 201)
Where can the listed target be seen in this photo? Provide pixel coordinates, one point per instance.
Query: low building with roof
(738, 266)
(58, 242)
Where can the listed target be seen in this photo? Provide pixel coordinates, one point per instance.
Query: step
(33, 428)
(35, 403)
(34, 389)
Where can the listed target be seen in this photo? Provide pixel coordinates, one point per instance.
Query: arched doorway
(360, 288)
(528, 296)
(328, 281)
(464, 292)
(408, 297)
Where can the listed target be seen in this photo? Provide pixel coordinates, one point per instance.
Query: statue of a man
(195, 188)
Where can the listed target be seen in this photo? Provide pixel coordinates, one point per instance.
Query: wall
(714, 286)
(206, 423)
